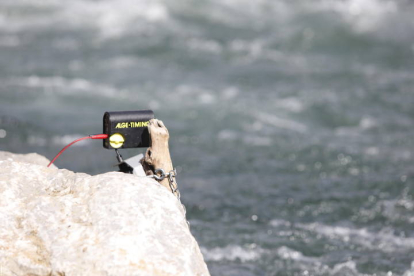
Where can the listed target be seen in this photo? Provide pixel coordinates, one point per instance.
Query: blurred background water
(291, 122)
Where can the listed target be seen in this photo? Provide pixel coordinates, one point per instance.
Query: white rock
(57, 222)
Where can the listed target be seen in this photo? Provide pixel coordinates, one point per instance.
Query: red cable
(97, 136)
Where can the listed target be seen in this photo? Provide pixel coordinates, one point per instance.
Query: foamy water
(291, 122)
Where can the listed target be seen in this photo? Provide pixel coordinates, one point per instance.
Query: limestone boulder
(57, 222)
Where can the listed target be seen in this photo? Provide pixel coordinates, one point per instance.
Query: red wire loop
(97, 136)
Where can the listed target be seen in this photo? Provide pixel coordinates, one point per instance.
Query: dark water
(291, 122)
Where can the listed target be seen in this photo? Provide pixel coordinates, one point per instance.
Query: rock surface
(57, 222)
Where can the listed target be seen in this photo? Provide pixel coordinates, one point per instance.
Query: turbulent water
(291, 122)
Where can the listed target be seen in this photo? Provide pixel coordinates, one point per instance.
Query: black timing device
(127, 129)
(122, 130)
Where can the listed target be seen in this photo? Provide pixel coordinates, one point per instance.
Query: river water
(291, 122)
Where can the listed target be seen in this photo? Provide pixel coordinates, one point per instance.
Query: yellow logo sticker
(132, 124)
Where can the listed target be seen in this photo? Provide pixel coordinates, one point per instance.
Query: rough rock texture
(57, 222)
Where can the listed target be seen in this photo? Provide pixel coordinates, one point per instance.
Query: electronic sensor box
(127, 129)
